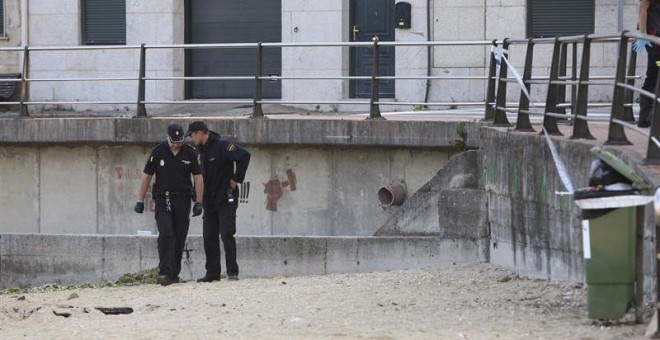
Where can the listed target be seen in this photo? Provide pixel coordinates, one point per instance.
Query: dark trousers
(645, 103)
(172, 232)
(220, 222)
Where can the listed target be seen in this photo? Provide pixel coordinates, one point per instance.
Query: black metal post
(523, 122)
(23, 107)
(616, 134)
(629, 98)
(574, 78)
(492, 83)
(500, 114)
(580, 126)
(550, 123)
(563, 65)
(374, 109)
(257, 110)
(141, 108)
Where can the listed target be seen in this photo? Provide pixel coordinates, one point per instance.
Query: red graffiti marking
(274, 189)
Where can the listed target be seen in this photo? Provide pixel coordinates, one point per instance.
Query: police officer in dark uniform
(224, 164)
(172, 162)
(649, 23)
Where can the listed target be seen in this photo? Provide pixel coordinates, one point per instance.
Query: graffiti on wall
(275, 189)
(244, 192)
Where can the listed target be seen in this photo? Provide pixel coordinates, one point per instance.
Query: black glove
(197, 209)
(139, 207)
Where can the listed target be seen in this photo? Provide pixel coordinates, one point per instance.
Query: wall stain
(275, 189)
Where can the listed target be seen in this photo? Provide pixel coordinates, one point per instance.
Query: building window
(551, 18)
(2, 18)
(104, 22)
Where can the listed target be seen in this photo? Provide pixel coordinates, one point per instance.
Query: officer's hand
(139, 207)
(233, 184)
(640, 44)
(197, 209)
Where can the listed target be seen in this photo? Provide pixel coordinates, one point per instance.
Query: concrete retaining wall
(306, 132)
(80, 176)
(532, 229)
(288, 190)
(32, 260)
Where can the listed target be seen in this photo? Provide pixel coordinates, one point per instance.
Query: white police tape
(501, 54)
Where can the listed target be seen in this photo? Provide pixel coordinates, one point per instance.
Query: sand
(463, 301)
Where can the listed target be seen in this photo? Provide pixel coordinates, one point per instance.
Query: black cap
(197, 126)
(175, 133)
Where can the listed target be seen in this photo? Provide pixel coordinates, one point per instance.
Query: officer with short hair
(224, 164)
(172, 162)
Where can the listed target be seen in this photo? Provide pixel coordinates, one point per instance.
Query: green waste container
(609, 241)
(610, 263)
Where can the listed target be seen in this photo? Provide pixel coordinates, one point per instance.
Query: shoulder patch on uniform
(231, 147)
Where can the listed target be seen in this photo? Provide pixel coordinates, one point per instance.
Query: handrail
(621, 116)
(497, 77)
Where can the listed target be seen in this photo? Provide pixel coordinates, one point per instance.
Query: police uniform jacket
(172, 172)
(218, 158)
(653, 18)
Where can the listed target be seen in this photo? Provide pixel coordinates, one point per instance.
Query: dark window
(104, 22)
(2, 18)
(550, 18)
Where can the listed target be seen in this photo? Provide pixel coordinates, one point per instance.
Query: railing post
(563, 65)
(550, 123)
(630, 80)
(25, 93)
(574, 78)
(257, 110)
(374, 109)
(580, 126)
(141, 107)
(500, 114)
(523, 122)
(490, 91)
(616, 134)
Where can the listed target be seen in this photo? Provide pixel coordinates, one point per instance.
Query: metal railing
(497, 78)
(374, 102)
(621, 116)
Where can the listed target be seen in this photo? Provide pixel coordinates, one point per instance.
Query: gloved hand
(640, 44)
(139, 207)
(197, 209)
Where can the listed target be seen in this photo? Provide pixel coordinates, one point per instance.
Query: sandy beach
(463, 301)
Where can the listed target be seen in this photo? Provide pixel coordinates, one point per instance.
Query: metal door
(371, 18)
(230, 21)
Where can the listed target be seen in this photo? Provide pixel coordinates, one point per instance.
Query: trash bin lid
(613, 202)
(620, 166)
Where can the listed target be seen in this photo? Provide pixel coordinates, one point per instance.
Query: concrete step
(38, 259)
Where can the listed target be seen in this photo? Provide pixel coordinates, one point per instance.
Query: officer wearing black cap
(224, 164)
(172, 162)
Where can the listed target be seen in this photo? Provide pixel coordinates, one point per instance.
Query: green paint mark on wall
(542, 188)
(516, 184)
(564, 202)
(490, 170)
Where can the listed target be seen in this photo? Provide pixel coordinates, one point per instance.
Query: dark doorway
(230, 21)
(371, 18)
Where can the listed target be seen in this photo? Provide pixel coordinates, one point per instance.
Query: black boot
(645, 107)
